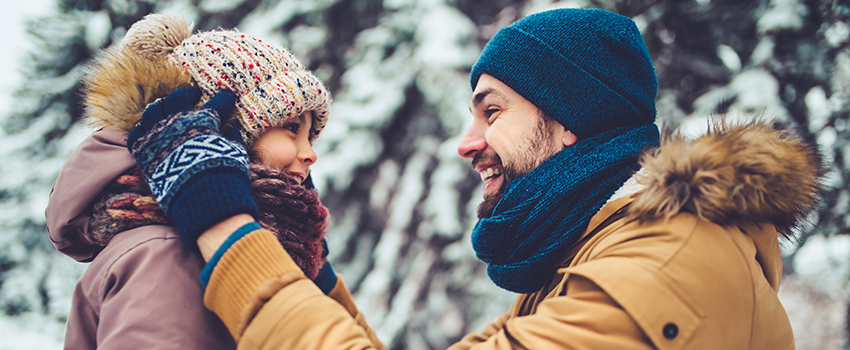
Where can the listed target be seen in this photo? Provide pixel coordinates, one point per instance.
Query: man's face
(508, 138)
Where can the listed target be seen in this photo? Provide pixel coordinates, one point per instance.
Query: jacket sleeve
(342, 296)
(583, 317)
(267, 303)
(151, 298)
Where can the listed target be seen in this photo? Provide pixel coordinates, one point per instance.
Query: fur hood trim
(126, 78)
(753, 172)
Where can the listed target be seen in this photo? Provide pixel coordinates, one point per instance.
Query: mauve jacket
(141, 291)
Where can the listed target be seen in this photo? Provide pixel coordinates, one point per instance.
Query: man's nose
(472, 142)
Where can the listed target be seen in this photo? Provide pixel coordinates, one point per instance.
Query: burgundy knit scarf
(292, 212)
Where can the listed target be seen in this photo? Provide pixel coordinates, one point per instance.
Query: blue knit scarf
(545, 212)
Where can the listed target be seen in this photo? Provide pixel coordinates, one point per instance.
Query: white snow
(445, 47)
(840, 81)
(537, 6)
(30, 331)
(763, 52)
(182, 8)
(404, 300)
(379, 196)
(818, 106)
(373, 292)
(266, 22)
(16, 44)
(219, 5)
(729, 57)
(125, 7)
(826, 139)
(817, 318)
(98, 29)
(758, 92)
(359, 147)
(641, 23)
(782, 14)
(837, 34)
(755, 92)
(444, 219)
(305, 39)
(442, 34)
(823, 262)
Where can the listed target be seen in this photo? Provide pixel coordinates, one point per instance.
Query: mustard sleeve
(266, 302)
(342, 296)
(584, 317)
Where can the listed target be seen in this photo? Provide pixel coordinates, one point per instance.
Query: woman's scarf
(545, 212)
(126, 203)
(291, 211)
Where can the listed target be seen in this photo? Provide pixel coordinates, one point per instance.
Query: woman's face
(288, 147)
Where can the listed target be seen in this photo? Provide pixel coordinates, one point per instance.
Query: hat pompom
(156, 35)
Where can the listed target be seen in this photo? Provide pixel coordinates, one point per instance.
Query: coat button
(671, 330)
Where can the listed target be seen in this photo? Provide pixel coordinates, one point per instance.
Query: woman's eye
(292, 127)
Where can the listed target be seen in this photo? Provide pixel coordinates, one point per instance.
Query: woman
(141, 289)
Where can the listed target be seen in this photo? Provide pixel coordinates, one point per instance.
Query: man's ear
(568, 138)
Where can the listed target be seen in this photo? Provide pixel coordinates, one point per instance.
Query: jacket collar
(613, 211)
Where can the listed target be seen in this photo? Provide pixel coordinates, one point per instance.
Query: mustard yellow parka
(689, 261)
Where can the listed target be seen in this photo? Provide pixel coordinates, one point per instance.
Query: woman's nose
(306, 154)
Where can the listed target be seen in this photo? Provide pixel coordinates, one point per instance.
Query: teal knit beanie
(589, 69)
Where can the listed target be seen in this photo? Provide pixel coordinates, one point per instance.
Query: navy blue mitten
(198, 177)
(326, 279)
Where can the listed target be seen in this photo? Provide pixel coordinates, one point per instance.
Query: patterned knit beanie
(273, 86)
(589, 69)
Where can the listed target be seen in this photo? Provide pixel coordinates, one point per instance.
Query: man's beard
(509, 173)
(530, 153)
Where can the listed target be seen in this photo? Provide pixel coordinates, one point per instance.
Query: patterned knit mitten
(198, 177)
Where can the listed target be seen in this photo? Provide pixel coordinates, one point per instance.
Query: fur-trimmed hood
(120, 84)
(747, 173)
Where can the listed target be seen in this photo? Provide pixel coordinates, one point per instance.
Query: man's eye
(488, 113)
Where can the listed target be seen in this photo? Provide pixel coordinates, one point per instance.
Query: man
(608, 250)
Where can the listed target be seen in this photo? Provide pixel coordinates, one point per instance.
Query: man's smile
(491, 176)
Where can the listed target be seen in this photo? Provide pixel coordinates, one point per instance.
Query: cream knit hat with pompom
(273, 86)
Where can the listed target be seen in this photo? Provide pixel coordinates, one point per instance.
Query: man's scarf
(545, 212)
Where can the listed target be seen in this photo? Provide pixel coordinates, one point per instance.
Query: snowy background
(402, 201)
